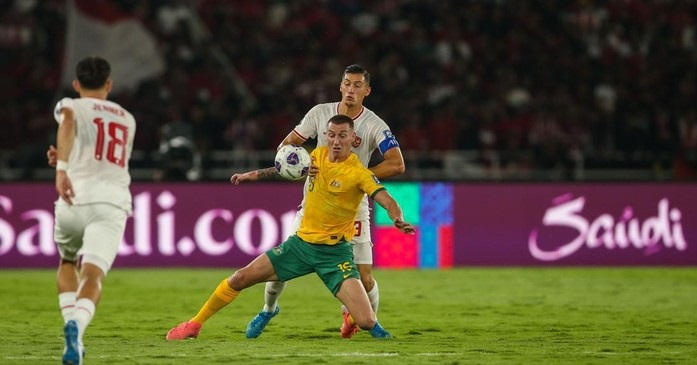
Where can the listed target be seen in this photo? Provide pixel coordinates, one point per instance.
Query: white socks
(84, 312)
(272, 291)
(81, 310)
(66, 302)
(374, 296)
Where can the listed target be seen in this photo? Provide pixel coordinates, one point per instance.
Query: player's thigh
(362, 243)
(68, 230)
(336, 265)
(103, 235)
(288, 258)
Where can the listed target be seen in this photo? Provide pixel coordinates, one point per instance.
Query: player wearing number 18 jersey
(94, 144)
(102, 146)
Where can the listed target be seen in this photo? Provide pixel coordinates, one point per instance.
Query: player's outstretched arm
(394, 211)
(268, 173)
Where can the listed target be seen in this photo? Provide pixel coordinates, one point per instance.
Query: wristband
(61, 165)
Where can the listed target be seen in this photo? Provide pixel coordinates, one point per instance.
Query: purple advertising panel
(217, 225)
(575, 224)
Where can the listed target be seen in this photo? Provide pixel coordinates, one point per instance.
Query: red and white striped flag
(98, 28)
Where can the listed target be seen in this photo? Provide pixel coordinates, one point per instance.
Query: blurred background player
(322, 244)
(94, 144)
(371, 133)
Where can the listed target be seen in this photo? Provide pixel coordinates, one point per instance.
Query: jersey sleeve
(384, 138)
(63, 103)
(308, 126)
(369, 183)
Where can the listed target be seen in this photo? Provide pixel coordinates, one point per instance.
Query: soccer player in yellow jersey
(372, 135)
(338, 182)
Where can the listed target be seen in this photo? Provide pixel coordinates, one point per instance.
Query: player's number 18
(116, 147)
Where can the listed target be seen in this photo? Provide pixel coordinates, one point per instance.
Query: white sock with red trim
(84, 312)
(66, 302)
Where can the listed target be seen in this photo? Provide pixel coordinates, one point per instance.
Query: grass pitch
(458, 316)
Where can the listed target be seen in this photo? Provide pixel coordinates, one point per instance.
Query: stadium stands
(475, 90)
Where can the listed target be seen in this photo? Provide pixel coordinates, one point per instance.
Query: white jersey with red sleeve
(372, 133)
(98, 161)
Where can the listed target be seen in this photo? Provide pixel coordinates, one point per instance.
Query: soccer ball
(292, 162)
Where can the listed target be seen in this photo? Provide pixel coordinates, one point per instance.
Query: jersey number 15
(116, 147)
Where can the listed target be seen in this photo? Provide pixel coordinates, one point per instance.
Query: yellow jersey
(333, 196)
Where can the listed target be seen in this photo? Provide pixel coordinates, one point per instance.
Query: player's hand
(312, 172)
(64, 187)
(404, 226)
(52, 156)
(236, 179)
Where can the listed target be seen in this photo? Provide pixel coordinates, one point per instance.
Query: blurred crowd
(543, 83)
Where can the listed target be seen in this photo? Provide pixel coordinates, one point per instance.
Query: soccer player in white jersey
(372, 133)
(94, 144)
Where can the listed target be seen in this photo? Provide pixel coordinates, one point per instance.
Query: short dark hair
(341, 119)
(92, 72)
(358, 69)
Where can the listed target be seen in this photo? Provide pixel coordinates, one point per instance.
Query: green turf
(462, 316)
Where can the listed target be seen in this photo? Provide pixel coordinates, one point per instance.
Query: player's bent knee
(364, 319)
(241, 279)
(367, 323)
(236, 280)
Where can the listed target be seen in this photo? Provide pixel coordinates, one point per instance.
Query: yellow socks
(221, 297)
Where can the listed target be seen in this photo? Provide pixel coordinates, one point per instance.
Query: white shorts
(362, 242)
(93, 231)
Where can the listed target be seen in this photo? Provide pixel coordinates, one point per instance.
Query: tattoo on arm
(269, 173)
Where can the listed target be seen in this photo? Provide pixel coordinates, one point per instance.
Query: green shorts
(332, 263)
